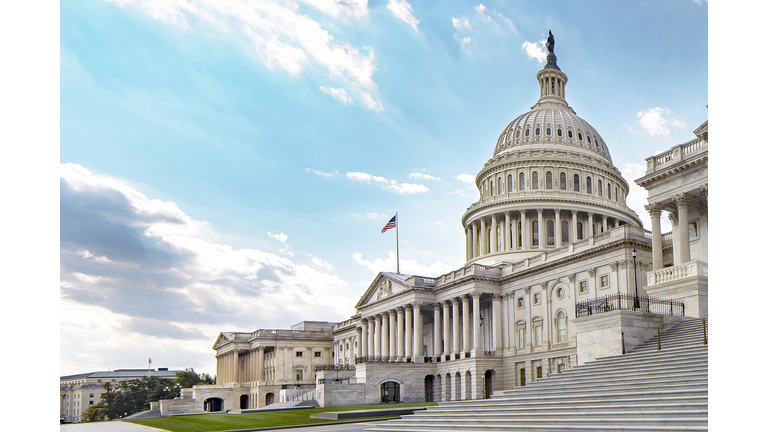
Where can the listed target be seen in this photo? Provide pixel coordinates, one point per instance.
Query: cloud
(535, 50)
(139, 274)
(281, 237)
(320, 263)
(655, 121)
(461, 23)
(320, 173)
(422, 176)
(406, 266)
(637, 198)
(403, 11)
(338, 93)
(481, 13)
(466, 178)
(369, 103)
(394, 185)
(506, 21)
(464, 42)
(375, 215)
(279, 36)
(631, 129)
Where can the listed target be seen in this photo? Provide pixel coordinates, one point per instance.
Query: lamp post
(634, 259)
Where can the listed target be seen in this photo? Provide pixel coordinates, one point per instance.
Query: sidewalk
(110, 426)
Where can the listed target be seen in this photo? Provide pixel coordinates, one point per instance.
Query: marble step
(556, 414)
(597, 391)
(672, 397)
(591, 381)
(655, 369)
(575, 406)
(629, 424)
(686, 352)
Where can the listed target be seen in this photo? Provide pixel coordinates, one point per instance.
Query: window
(538, 372)
(538, 131)
(535, 232)
(549, 179)
(583, 287)
(693, 230)
(498, 187)
(579, 231)
(299, 375)
(537, 334)
(491, 188)
(560, 293)
(580, 138)
(589, 184)
(562, 181)
(521, 337)
(318, 354)
(564, 231)
(509, 183)
(589, 140)
(527, 132)
(576, 186)
(90, 395)
(521, 183)
(549, 131)
(616, 193)
(299, 354)
(561, 331)
(535, 180)
(604, 283)
(570, 134)
(560, 368)
(608, 190)
(518, 133)
(536, 298)
(519, 233)
(90, 402)
(520, 303)
(559, 132)
(550, 232)
(599, 188)
(99, 380)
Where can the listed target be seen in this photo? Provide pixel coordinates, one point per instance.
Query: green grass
(220, 422)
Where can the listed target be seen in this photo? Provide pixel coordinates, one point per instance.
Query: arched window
(580, 137)
(520, 234)
(518, 133)
(535, 180)
(509, 183)
(579, 231)
(564, 231)
(616, 193)
(559, 132)
(589, 184)
(599, 187)
(538, 131)
(491, 188)
(562, 181)
(527, 132)
(521, 183)
(499, 238)
(608, 190)
(570, 134)
(499, 186)
(535, 232)
(576, 185)
(562, 335)
(589, 140)
(390, 392)
(549, 131)
(549, 179)
(550, 232)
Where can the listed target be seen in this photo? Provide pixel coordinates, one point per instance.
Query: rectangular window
(536, 298)
(299, 375)
(604, 283)
(317, 354)
(537, 334)
(693, 230)
(561, 368)
(521, 337)
(299, 354)
(520, 303)
(90, 395)
(583, 286)
(90, 402)
(538, 372)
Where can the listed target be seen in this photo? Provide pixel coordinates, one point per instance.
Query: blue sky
(228, 166)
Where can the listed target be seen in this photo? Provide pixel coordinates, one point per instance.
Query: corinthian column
(400, 332)
(497, 323)
(542, 231)
(377, 336)
(385, 333)
(506, 232)
(474, 240)
(465, 323)
(447, 328)
(589, 227)
(483, 237)
(371, 336)
(682, 201)
(392, 333)
(456, 341)
(468, 234)
(418, 343)
(359, 331)
(558, 230)
(408, 331)
(656, 240)
(476, 334)
(524, 227)
(494, 237)
(438, 337)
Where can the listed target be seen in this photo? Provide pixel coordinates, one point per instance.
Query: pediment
(382, 287)
(221, 340)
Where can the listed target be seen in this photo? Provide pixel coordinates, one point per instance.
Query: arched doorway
(390, 392)
(243, 401)
(488, 384)
(429, 383)
(269, 398)
(213, 404)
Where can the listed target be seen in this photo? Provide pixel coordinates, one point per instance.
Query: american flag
(391, 224)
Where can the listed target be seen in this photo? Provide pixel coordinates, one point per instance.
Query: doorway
(390, 392)
(429, 382)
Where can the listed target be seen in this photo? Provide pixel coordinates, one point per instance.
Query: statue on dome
(550, 43)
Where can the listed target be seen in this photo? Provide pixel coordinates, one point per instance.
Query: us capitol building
(553, 258)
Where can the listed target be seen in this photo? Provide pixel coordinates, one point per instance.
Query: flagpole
(397, 241)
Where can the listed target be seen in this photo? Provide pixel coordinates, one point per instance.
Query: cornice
(504, 163)
(672, 170)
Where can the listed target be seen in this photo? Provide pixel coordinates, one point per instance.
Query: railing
(489, 353)
(629, 302)
(670, 274)
(675, 154)
(382, 359)
(334, 367)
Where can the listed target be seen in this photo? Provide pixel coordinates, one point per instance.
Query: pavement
(119, 426)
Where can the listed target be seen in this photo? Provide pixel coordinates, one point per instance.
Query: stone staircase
(645, 390)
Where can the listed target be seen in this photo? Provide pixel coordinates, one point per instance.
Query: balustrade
(670, 274)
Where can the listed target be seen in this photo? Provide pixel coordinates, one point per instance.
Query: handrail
(629, 302)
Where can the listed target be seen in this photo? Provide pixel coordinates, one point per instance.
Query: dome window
(518, 133)
(527, 132)
(597, 143)
(534, 180)
(538, 131)
(559, 132)
(580, 137)
(570, 134)
(549, 131)
(589, 140)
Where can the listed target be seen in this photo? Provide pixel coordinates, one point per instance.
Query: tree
(130, 397)
(188, 378)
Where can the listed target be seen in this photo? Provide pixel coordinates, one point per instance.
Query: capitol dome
(550, 182)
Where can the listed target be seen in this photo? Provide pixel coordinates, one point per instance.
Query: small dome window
(549, 131)
(570, 134)
(580, 137)
(527, 132)
(518, 133)
(559, 132)
(597, 143)
(589, 140)
(538, 131)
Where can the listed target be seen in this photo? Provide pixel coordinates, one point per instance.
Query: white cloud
(320, 173)
(631, 129)
(466, 178)
(655, 121)
(535, 50)
(394, 185)
(320, 263)
(280, 237)
(336, 8)
(506, 21)
(338, 93)
(461, 23)
(406, 266)
(361, 176)
(464, 42)
(403, 11)
(376, 215)
(369, 103)
(637, 198)
(422, 176)
(280, 36)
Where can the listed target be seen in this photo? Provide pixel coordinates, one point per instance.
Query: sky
(228, 165)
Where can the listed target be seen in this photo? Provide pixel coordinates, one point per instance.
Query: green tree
(188, 378)
(130, 397)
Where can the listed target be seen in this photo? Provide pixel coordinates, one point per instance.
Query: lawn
(220, 422)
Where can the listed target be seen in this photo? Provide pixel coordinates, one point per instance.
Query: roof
(121, 373)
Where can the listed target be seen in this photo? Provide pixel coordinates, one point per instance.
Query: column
(474, 240)
(437, 333)
(558, 230)
(506, 232)
(363, 345)
(260, 363)
(483, 237)
(542, 230)
(408, 331)
(359, 339)
(400, 330)
(468, 234)
(514, 243)
(494, 237)
(371, 336)
(528, 323)
(605, 223)
(476, 334)
(377, 335)
(456, 342)
(465, 323)
(589, 225)
(418, 342)
(392, 334)
(497, 323)
(682, 201)
(546, 322)
(235, 367)
(384, 334)
(656, 240)
(574, 226)
(523, 226)
(447, 328)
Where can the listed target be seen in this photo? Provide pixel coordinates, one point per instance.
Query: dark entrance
(213, 404)
(522, 377)
(429, 382)
(390, 392)
(488, 384)
(269, 398)
(243, 401)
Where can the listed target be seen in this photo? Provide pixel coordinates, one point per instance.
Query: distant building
(78, 392)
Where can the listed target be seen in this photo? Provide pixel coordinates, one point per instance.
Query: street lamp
(634, 259)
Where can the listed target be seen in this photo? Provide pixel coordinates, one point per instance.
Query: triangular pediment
(383, 286)
(221, 340)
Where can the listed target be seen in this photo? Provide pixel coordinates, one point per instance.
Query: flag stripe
(391, 224)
